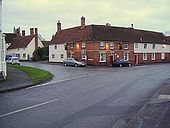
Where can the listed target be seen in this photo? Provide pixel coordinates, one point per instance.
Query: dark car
(73, 62)
(122, 63)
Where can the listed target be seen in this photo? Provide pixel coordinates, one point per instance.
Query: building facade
(101, 44)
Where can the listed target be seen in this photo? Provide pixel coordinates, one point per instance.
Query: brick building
(101, 44)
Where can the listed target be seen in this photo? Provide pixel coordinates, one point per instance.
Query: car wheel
(75, 65)
(65, 64)
(130, 65)
(120, 65)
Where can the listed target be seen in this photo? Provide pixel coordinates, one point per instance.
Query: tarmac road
(98, 99)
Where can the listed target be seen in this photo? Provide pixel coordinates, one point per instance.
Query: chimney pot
(31, 31)
(23, 32)
(82, 21)
(58, 26)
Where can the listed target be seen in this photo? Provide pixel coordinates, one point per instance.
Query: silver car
(73, 62)
(13, 60)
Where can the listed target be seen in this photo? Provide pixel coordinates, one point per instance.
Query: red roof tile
(106, 33)
(46, 43)
(21, 42)
(9, 37)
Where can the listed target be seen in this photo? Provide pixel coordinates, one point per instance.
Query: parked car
(122, 63)
(73, 62)
(13, 60)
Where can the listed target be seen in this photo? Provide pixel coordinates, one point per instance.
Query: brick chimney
(18, 32)
(58, 26)
(31, 31)
(36, 38)
(82, 22)
(23, 32)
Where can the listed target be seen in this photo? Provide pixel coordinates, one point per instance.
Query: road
(94, 100)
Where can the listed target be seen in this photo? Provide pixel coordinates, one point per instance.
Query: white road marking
(27, 108)
(63, 80)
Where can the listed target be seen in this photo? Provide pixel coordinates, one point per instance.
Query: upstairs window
(55, 47)
(102, 45)
(145, 46)
(136, 45)
(111, 45)
(126, 45)
(153, 46)
(72, 45)
(83, 45)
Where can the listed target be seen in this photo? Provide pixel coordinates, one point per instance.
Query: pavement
(16, 79)
(156, 112)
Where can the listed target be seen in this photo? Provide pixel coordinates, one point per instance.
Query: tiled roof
(168, 39)
(9, 37)
(107, 33)
(21, 42)
(46, 43)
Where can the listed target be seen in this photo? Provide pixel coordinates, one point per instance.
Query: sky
(151, 15)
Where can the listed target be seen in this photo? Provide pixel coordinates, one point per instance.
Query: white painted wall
(28, 51)
(57, 53)
(159, 48)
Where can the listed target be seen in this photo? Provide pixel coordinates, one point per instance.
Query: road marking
(63, 80)
(27, 108)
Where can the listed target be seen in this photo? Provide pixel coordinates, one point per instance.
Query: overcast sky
(44, 14)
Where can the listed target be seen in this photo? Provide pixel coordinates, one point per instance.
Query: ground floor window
(102, 56)
(62, 56)
(126, 56)
(162, 56)
(53, 56)
(144, 56)
(112, 54)
(24, 55)
(153, 56)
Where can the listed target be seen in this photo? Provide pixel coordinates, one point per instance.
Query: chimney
(31, 31)
(36, 38)
(23, 32)
(18, 32)
(131, 25)
(82, 22)
(58, 26)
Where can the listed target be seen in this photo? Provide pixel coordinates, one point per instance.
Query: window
(162, 56)
(62, 56)
(18, 49)
(126, 45)
(111, 45)
(126, 56)
(153, 46)
(112, 54)
(102, 56)
(55, 47)
(72, 45)
(136, 45)
(83, 54)
(83, 45)
(102, 45)
(145, 46)
(120, 46)
(24, 55)
(153, 56)
(144, 56)
(53, 56)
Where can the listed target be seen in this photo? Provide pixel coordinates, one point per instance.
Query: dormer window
(102, 45)
(126, 45)
(111, 45)
(145, 46)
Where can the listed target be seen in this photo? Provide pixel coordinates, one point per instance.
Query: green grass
(37, 75)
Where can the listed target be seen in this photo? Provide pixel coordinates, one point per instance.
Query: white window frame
(83, 45)
(126, 56)
(71, 45)
(162, 56)
(102, 45)
(153, 46)
(153, 56)
(136, 45)
(126, 45)
(111, 45)
(112, 53)
(145, 56)
(61, 56)
(102, 58)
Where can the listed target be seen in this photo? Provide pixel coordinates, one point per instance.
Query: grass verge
(37, 75)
